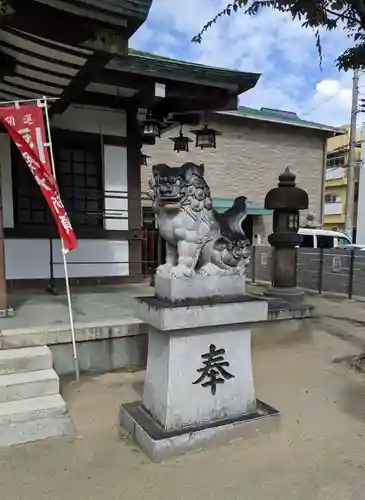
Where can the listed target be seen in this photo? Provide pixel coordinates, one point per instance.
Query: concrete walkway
(316, 454)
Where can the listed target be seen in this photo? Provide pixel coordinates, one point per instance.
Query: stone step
(36, 430)
(16, 386)
(31, 409)
(25, 359)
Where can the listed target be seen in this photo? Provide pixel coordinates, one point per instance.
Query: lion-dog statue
(198, 239)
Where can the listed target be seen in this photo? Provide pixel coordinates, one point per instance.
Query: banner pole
(64, 251)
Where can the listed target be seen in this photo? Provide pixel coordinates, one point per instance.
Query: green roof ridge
(149, 55)
(276, 115)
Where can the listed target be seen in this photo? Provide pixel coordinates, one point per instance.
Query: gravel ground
(317, 452)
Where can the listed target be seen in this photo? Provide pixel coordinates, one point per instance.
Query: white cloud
(186, 17)
(331, 101)
(270, 43)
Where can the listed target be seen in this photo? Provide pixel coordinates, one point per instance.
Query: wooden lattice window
(79, 174)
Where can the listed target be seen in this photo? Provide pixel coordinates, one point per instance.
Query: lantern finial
(287, 178)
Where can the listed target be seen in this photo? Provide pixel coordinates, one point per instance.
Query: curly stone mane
(185, 185)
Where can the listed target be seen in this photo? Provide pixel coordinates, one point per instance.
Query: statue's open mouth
(169, 199)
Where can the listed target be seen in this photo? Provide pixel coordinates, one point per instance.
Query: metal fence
(146, 260)
(112, 212)
(319, 269)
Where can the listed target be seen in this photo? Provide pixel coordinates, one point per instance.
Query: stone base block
(164, 315)
(199, 287)
(159, 444)
(198, 376)
(286, 292)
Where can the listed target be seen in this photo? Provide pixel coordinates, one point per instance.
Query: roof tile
(280, 116)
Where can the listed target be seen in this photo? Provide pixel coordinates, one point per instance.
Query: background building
(254, 148)
(336, 180)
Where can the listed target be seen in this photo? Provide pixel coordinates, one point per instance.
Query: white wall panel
(27, 259)
(93, 258)
(116, 184)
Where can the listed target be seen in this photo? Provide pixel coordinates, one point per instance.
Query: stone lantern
(285, 200)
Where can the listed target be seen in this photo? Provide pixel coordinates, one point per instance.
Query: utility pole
(350, 192)
(360, 228)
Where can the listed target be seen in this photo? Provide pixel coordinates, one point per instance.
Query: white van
(320, 238)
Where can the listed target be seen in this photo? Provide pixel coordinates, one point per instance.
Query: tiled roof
(280, 116)
(164, 67)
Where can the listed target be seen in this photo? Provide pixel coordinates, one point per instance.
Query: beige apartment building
(254, 148)
(336, 180)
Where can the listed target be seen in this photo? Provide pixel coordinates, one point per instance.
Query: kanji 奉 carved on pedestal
(198, 239)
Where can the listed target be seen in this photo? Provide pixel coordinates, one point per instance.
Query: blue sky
(270, 43)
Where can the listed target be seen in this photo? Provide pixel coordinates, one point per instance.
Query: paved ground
(317, 453)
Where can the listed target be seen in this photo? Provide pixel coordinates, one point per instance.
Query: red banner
(25, 125)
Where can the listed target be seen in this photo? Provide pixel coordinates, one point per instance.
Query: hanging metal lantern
(151, 127)
(206, 136)
(181, 142)
(144, 159)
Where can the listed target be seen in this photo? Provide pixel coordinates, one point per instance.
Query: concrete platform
(91, 305)
(159, 444)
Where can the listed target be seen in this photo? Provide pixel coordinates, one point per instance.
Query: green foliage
(336, 14)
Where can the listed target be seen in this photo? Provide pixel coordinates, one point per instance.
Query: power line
(322, 101)
(327, 98)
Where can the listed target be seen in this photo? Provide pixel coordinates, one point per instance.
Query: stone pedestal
(199, 384)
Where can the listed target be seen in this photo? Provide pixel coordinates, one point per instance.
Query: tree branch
(342, 16)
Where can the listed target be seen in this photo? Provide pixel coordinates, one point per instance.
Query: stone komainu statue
(198, 239)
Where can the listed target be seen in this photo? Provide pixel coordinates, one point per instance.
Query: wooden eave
(35, 65)
(112, 14)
